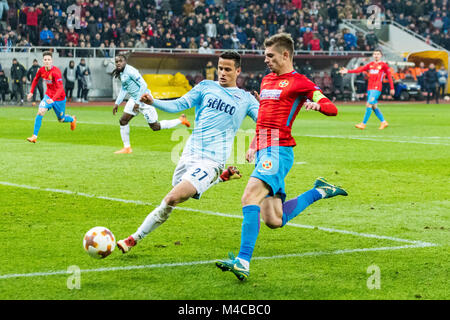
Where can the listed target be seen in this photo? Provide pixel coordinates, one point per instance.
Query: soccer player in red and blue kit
(55, 97)
(376, 69)
(283, 93)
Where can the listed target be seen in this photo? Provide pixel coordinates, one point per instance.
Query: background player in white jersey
(220, 108)
(135, 86)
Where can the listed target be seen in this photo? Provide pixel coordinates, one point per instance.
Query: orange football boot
(361, 126)
(124, 150)
(184, 120)
(383, 125)
(32, 139)
(73, 124)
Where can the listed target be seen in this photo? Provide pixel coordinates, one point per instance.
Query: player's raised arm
(357, 70)
(189, 100)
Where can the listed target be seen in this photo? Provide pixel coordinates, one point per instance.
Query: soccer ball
(99, 242)
(446, 98)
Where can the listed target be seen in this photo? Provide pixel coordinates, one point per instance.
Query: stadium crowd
(206, 25)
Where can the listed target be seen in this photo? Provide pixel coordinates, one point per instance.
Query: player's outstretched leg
(367, 115)
(156, 218)
(169, 124)
(321, 190)
(37, 125)
(125, 134)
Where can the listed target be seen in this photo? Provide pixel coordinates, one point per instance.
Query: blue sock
(68, 119)
(379, 114)
(367, 115)
(250, 231)
(37, 124)
(293, 207)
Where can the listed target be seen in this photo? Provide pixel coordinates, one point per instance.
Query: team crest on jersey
(50, 77)
(283, 83)
(267, 164)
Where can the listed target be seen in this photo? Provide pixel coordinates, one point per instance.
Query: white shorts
(148, 111)
(202, 173)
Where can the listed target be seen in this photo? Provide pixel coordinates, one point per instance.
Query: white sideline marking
(214, 213)
(373, 139)
(192, 263)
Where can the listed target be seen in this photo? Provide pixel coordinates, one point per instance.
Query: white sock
(125, 134)
(167, 124)
(323, 193)
(244, 263)
(156, 218)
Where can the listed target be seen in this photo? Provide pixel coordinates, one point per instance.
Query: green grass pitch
(389, 239)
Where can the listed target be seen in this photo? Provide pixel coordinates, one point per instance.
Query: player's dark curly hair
(116, 72)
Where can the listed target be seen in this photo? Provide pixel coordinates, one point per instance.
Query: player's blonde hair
(281, 41)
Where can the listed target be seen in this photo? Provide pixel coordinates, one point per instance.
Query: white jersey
(132, 83)
(219, 113)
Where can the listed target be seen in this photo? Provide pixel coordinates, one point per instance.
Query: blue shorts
(372, 96)
(272, 166)
(58, 106)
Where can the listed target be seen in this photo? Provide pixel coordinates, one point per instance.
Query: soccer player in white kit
(135, 86)
(220, 108)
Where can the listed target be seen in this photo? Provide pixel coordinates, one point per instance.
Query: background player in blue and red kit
(55, 97)
(283, 93)
(376, 69)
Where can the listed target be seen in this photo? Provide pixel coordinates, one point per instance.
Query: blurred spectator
(79, 75)
(30, 76)
(205, 49)
(3, 8)
(371, 40)
(350, 40)
(210, 71)
(18, 79)
(361, 83)
(419, 71)
(4, 86)
(211, 30)
(314, 44)
(192, 44)
(126, 20)
(338, 84)
(32, 16)
(442, 77)
(307, 70)
(252, 83)
(46, 36)
(431, 80)
(141, 44)
(86, 85)
(69, 78)
(72, 36)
